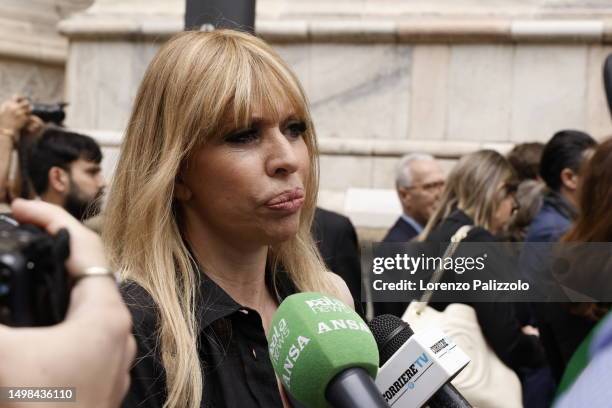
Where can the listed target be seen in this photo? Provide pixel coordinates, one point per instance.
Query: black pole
(210, 14)
(607, 74)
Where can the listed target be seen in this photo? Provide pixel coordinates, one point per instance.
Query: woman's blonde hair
(195, 85)
(473, 187)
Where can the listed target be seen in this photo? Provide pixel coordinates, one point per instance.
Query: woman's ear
(181, 191)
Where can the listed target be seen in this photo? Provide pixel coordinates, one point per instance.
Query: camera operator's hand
(14, 114)
(86, 249)
(93, 349)
(33, 127)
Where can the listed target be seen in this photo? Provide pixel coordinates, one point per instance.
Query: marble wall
(489, 94)
(102, 80)
(484, 93)
(356, 91)
(445, 99)
(463, 92)
(368, 8)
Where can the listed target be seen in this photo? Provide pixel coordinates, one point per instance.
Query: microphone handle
(354, 388)
(448, 397)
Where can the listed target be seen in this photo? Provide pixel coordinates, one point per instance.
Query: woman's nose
(281, 155)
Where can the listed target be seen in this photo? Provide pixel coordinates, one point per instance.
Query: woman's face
(505, 207)
(248, 186)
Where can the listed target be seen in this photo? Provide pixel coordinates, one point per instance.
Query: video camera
(34, 287)
(52, 112)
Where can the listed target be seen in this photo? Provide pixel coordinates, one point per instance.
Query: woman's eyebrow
(231, 126)
(260, 121)
(290, 117)
(267, 120)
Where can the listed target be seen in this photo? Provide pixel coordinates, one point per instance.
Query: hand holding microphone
(324, 353)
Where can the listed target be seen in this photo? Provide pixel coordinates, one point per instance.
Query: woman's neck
(239, 271)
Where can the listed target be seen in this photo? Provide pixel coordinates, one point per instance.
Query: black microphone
(607, 76)
(354, 388)
(391, 333)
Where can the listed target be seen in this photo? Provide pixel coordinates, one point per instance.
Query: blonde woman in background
(209, 219)
(480, 191)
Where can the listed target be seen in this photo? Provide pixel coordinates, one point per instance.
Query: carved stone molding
(28, 29)
(41, 83)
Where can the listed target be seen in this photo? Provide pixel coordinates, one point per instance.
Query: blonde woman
(480, 191)
(209, 219)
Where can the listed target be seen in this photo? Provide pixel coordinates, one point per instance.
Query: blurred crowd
(560, 191)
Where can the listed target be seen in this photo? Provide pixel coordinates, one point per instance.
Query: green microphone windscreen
(313, 338)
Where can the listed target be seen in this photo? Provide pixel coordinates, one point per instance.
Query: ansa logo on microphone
(325, 305)
(406, 381)
(329, 305)
(279, 333)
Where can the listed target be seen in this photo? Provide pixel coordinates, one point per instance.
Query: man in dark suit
(337, 241)
(419, 182)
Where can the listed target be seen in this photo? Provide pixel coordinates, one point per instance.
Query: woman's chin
(282, 233)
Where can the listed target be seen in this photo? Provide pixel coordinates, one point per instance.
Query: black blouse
(232, 346)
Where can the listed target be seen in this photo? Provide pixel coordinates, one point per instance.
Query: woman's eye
(295, 129)
(243, 136)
